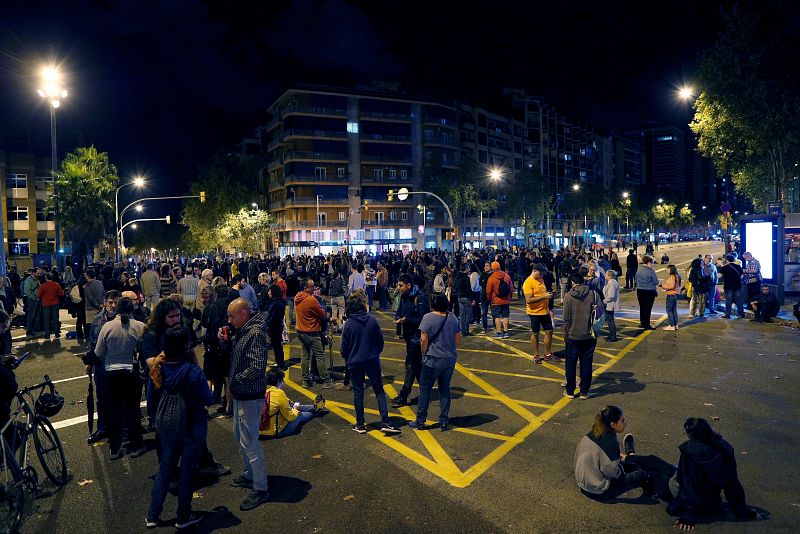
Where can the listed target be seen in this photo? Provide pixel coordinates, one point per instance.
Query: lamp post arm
(132, 204)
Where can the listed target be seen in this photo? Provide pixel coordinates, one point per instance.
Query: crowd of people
(144, 325)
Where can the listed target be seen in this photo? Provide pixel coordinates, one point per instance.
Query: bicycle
(17, 476)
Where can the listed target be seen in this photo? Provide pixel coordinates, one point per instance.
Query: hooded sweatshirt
(188, 379)
(703, 471)
(309, 313)
(578, 312)
(597, 462)
(362, 339)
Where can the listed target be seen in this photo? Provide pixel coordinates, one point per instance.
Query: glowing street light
(254, 206)
(686, 92)
(134, 226)
(138, 182)
(495, 174)
(660, 200)
(625, 194)
(139, 208)
(576, 187)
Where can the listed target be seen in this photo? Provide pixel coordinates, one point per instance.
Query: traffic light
(366, 205)
(168, 219)
(202, 197)
(391, 195)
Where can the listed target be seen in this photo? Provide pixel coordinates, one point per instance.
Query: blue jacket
(362, 339)
(413, 306)
(190, 380)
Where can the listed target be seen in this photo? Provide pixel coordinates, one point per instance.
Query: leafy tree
(685, 216)
(463, 189)
(84, 199)
(247, 229)
(663, 214)
(229, 183)
(528, 199)
(747, 117)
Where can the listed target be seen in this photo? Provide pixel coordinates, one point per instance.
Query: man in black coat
(632, 265)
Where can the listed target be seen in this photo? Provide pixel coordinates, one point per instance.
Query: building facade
(28, 227)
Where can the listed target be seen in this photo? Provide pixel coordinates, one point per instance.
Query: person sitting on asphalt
(765, 306)
(279, 418)
(603, 472)
(361, 346)
(664, 259)
(706, 467)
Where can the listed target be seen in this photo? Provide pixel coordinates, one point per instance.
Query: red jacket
(50, 293)
(492, 285)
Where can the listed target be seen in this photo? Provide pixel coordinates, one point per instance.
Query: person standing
(356, 280)
(248, 385)
(413, 306)
(439, 340)
(700, 283)
(96, 367)
(537, 299)
(578, 303)
(336, 293)
(632, 266)
(752, 278)
(187, 287)
(116, 346)
(151, 287)
(499, 289)
(732, 286)
(50, 294)
(276, 310)
(361, 346)
(93, 293)
(463, 287)
(713, 277)
(34, 308)
(310, 314)
(611, 302)
(371, 282)
(483, 281)
(672, 286)
(646, 292)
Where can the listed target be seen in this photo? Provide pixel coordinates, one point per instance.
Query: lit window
(352, 127)
(392, 173)
(340, 172)
(665, 138)
(568, 157)
(20, 246)
(392, 215)
(342, 216)
(404, 173)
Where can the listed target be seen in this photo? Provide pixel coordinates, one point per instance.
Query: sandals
(537, 359)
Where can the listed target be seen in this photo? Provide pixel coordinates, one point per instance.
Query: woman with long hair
(611, 300)
(699, 282)
(672, 286)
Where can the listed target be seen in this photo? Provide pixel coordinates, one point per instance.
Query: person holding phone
(279, 417)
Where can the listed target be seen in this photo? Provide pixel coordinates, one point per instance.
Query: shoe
(553, 358)
(387, 428)
(537, 359)
(612, 339)
(98, 435)
(397, 338)
(587, 395)
(482, 332)
(627, 444)
(344, 387)
(569, 395)
(319, 403)
(138, 451)
(193, 519)
(670, 328)
(498, 335)
(399, 401)
(254, 500)
(308, 384)
(443, 427)
(215, 470)
(506, 335)
(285, 342)
(117, 454)
(726, 316)
(649, 328)
(713, 313)
(359, 429)
(416, 426)
(328, 384)
(241, 481)
(151, 523)
(464, 334)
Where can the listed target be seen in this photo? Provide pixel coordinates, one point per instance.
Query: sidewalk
(785, 314)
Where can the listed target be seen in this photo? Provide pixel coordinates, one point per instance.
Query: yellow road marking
(518, 375)
(492, 397)
(491, 390)
(526, 355)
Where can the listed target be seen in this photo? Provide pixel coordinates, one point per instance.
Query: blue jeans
(711, 296)
(290, 303)
(464, 314)
(485, 314)
(582, 350)
(370, 295)
(188, 451)
(672, 309)
(246, 418)
(730, 296)
(101, 395)
(435, 370)
(371, 368)
(306, 414)
(384, 295)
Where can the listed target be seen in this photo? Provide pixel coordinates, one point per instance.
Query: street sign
(402, 193)
(724, 207)
(775, 207)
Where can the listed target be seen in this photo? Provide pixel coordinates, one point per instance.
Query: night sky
(161, 85)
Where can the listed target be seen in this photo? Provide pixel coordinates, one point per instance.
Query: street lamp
(254, 206)
(660, 200)
(138, 182)
(52, 90)
(495, 173)
(576, 187)
(686, 92)
(318, 225)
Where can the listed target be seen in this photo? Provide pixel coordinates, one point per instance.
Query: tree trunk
(96, 255)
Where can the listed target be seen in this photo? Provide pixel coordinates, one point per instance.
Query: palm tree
(84, 199)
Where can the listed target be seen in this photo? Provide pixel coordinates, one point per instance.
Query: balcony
(314, 134)
(19, 225)
(386, 223)
(313, 202)
(443, 140)
(276, 120)
(291, 225)
(439, 121)
(384, 158)
(382, 138)
(275, 143)
(371, 179)
(298, 178)
(297, 155)
(382, 115)
(305, 109)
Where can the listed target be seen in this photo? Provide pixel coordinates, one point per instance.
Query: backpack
(266, 419)
(172, 415)
(503, 289)
(598, 316)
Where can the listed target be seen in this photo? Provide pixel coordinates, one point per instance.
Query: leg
(277, 348)
(321, 359)
(642, 316)
(249, 413)
(190, 454)
(548, 342)
(444, 378)
(412, 363)
(373, 370)
(133, 413)
(48, 323)
(535, 343)
(101, 397)
(168, 460)
(571, 366)
(739, 302)
(612, 325)
(357, 379)
(426, 379)
(586, 356)
(302, 418)
(305, 357)
(115, 408)
(485, 315)
(728, 301)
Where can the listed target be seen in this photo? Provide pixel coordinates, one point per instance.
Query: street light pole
(138, 182)
(318, 224)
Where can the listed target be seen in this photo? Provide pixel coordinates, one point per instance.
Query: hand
(549, 295)
(295, 405)
(88, 370)
(400, 320)
(683, 524)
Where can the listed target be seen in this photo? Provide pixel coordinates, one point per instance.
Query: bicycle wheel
(50, 451)
(12, 493)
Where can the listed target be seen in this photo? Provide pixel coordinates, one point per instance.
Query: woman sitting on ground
(278, 417)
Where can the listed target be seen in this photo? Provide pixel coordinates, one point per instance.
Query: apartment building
(28, 227)
(332, 157)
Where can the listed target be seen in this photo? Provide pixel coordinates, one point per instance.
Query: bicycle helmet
(49, 404)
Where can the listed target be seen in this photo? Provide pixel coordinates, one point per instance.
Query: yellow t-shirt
(280, 411)
(534, 288)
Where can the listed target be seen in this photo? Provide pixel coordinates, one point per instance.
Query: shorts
(541, 322)
(501, 311)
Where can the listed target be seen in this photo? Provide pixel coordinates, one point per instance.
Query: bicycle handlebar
(18, 361)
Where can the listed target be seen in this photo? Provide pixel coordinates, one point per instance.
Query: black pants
(630, 278)
(275, 339)
(413, 365)
(579, 351)
(81, 328)
(612, 324)
(124, 393)
(657, 469)
(646, 297)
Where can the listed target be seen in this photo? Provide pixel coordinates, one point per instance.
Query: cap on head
(495, 265)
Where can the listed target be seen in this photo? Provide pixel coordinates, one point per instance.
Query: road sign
(402, 193)
(725, 207)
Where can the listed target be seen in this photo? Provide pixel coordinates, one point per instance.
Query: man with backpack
(413, 306)
(499, 288)
(581, 305)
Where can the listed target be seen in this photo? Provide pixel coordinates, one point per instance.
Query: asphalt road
(507, 464)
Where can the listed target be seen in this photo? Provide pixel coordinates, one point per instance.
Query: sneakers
(627, 444)
(254, 500)
(193, 519)
(98, 435)
(308, 384)
(537, 359)
(140, 450)
(569, 395)
(416, 426)
(343, 387)
(397, 338)
(587, 395)
(483, 333)
(241, 481)
(117, 453)
(216, 470)
(670, 328)
(151, 523)
(388, 429)
(551, 358)
(359, 429)
(319, 403)
(328, 384)
(506, 335)
(498, 335)
(399, 401)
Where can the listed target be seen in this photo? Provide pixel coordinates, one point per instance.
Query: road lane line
(81, 419)
(527, 356)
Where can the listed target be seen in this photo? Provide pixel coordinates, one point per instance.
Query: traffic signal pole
(403, 193)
